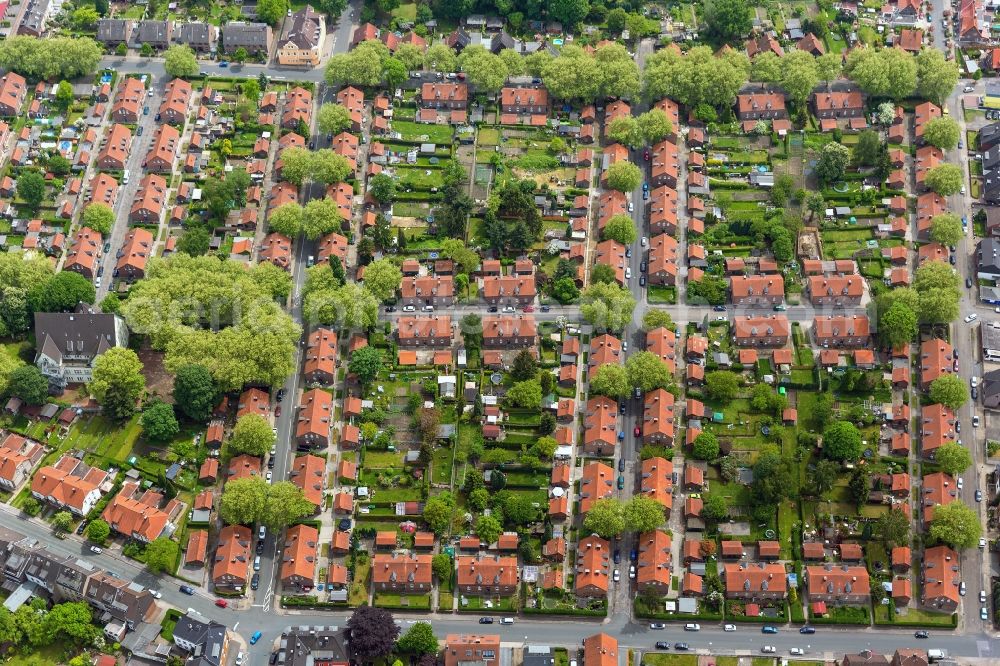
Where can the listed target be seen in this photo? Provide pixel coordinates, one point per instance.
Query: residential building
(656, 481)
(301, 42)
(653, 570)
(601, 650)
(518, 332)
(308, 472)
(206, 640)
(402, 573)
(18, 456)
(112, 32)
(314, 420)
(940, 576)
(163, 152)
(134, 254)
(298, 563)
(117, 144)
(524, 100)
(13, 89)
(838, 585)
(84, 253)
(199, 36)
(69, 343)
(838, 104)
(939, 489)
(156, 34)
(428, 290)
(756, 581)
(233, 556)
(842, 331)
(937, 428)
(600, 426)
(254, 37)
(469, 649)
(596, 482)
(761, 331)
(137, 515)
(937, 358)
(756, 290)
(593, 567)
(508, 290)
(487, 575)
(150, 200)
(836, 290)
(658, 418)
(434, 331)
(176, 100)
(321, 357)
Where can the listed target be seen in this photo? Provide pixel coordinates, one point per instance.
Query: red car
(277, 410)
(637, 431)
(645, 156)
(529, 308)
(221, 603)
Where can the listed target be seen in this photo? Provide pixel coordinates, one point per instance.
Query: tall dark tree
(728, 20)
(195, 393)
(28, 384)
(524, 366)
(373, 632)
(61, 293)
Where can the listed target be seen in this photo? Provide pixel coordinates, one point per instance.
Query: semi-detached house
(314, 420)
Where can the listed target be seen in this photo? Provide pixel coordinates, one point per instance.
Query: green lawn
(51, 655)
(358, 594)
(489, 136)
(406, 12)
(423, 132)
(660, 659)
(382, 459)
(423, 179)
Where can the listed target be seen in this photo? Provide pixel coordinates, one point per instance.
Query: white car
(729, 627)
(982, 596)
(96, 549)
(974, 382)
(982, 542)
(796, 651)
(628, 272)
(971, 318)
(156, 594)
(960, 483)
(239, 659)
(984, 614)
(631, 206)
(624, 345)
(975, 421)
(409, 308)
(967, 89)
(618, 576)
(692, 626)
(961, 588)
(645, 241)
(631, 571)
(767, 649)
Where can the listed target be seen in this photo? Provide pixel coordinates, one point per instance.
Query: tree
(772, 478)
(933, 275)
(945, 179)
(623, 176)
(527, 394)
(161, 554)
(706, 447)
(419, 638)
(714, 508)
(159, 423)
(117, 382)
(890, 73)
(799, 75)
(603, 274)
(564, 290)
(842, 441)
(394, 72)
(440, 57)
(50, 58)
(195, 242)
(333, 118)
(437, 512)
(382, 188)
(897, 325)
(252, 435)
(833, 161)
(569, 12)
(98, 531)
(574, 74)
(31, 188)
(29, 384)
(654, 319)
(782, 189)
(180, 61)
(614, 22)
(64, 98)
(620, 228)
(949, 390)
(868, 148)
(320, 217)
(195, 394)
(942, 132)
(610, 380)
(956, 524)
(607, 306)
(99, 217)
(383, 278)
(938, 306)
(936, 76)
(411, 55)
(285, 504)
(488, 529)
(625, 130)
(647, 371)
(67, 622)
(655, 126)
(61, 293)
(84, 17)
(366, 363)
(893, 527)
(486, 71)
(722, 385)
(62, 521)
(243, 501)
(643, 514)
(953, 458)
(946, 229)
(606, 518)
(442, 566)
(271, 11)
(373, 632)
(727, 20)
(524, 366)
(823, 476)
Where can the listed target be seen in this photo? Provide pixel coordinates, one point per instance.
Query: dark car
(260, 546)
(921, 634)
(618, 556)
(968, 283)
(187, 589)
(681, 646)
(769, 629)
(621, 407)
(270, 463)
(807, 630)
(642, 280)
(81, 527)
(633, 555)
(485, 620)
(344, 524)
(390, 308)
(642, 266)
(628, 251)
(281, 395)
(621, 464)
(637, 393)
(255, 581)
(545, 308)
(719, 308)
(662, 645)
(975, 393)
(492, 308)
(952, 260)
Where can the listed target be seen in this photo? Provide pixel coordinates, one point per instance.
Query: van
(125, 177)
(506, 620)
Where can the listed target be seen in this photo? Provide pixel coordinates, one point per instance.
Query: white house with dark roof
(68, 343)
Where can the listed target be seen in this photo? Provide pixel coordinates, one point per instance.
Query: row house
(604, 349)
(656, 481)
(321, 357)
(756, 581)
(114, 32)
(838, 585)
(763, 43)
(163, 152)
(353, 100)
(761, 331)
(255, 38)
(663, 342)
(402, 573)
(13, 90)
(176, 100)
(201, 37)
(928, 157)
(276, 248)
(838, 104)
(593, 567)
(524, 100)
(301, 41)
(244, 466)
(658, 418)
(424, 331)
(315, 419)
(664, 165)
(600, 426)
(760, 105)
(611, 253)
(939, 489)
(663, 211)
(940, 576)
(298, 108)
(937, 358)
(129, 101)
(18, 456)
(308, 473)
(298, 561)
(233, 555)
(103, 189)
(70, 485)
(464, 649)
(487, 575)
(508, 290)
(157, 34)
(922, 114)
(444, 95)
(438, 291)
(84, 253)
(937, 428)
(332, 245)
(836, 290)
(346, 145)
(609, 204)
(654, 565)
(150, 200)
(134, 255)
(253, 401)
(137, 515)
(756, 290)
(842, 331)
(662, 269)
(126, 601)
(117, 144)
(596, 483)
(519, 332)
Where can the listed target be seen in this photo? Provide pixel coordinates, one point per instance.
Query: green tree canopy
(946, 229)
(945, 179)
(610, 380)
(29, 384)
(333, 118)
(643, 514)
(842, 441)
(706, 446)
(953, 458)
(366, 363)
(99, 217)
(942, 132)
(620, 228)
(607, 307)
(623, 176)
(419, 638)
(437, 512)
(383, 278)
(722, 385)
(180, 60)
(956, 524)
(161, 554)
(606, 518)
(194, 393)
(159, 423)
(647, 371)
(252, 436)
(117, 382)
(949, 390)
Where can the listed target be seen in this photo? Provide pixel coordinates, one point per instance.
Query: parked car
(221, 603)
(729, 627)
(769, 629)
(807, 630)
(81, 527)
(255, 581)
(921, 634)
(796, 651)
(692, 626)
(156, 594)
(621, 482)
(96, 549)
(681, 646)
(662, 645)
(657, 625)
(767, 649)
(621, 464)
(187, 589)
(485, 620)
